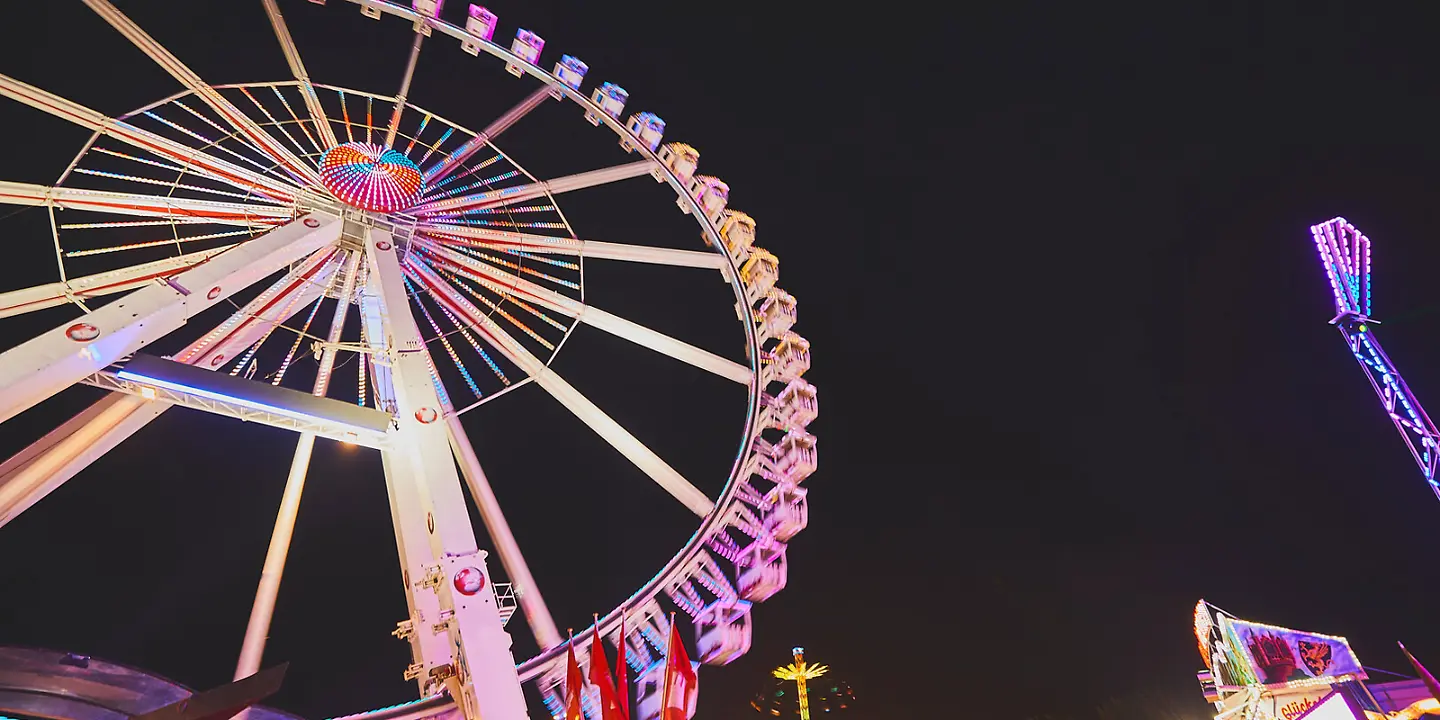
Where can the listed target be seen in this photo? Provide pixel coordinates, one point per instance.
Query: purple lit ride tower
(1345, 253)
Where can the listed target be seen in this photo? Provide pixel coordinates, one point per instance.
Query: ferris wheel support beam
(257, 630)
(45, 365)
(297, 68)
(193, 159)
(520, 193)
(394, 127)
(532, 603)
(603, 425)
(590, 249)
(504, 282)
(40, 297)
(46, 464)
(51, 461)
(139, 205)
(441, 170)
(433, 520)
(237, 119)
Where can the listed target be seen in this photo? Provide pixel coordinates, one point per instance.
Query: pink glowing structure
(1345, 253)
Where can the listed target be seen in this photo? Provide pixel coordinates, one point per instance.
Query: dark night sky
(1069, 333)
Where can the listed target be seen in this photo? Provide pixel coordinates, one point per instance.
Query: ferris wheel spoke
(191, 158)
(297, 68)
(455, 206)
(507, 284)
(546, 244)
(237, 119)
(139, 204)
(532, 603)
(453, 161)
(39, 297)
(252, 650)
(394, 127)
(55, 360)
(49, 462)
(602, 424)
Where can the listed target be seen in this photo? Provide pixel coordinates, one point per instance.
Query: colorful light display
(1345, 253)
(798, 693)
(371, 177)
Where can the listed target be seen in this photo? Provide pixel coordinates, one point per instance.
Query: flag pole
(669, 658)
(622, 673)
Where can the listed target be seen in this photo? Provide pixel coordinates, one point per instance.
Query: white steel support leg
(34, 473)
(252, 650)
(527, 593)
(36, 370)
(454, 579)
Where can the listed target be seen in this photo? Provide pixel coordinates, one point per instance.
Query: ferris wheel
(294, 204)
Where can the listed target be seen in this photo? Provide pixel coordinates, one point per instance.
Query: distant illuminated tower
(796, 694)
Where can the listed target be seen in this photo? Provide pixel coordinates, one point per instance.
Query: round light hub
(371, 177)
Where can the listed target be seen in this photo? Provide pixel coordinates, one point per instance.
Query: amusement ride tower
(1345, 254)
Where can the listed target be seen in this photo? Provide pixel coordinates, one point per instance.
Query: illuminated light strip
(506, 223)
(137, 223)
(444, 341)
(345, 112)
(300, 335)
(511, 297)
(300, 122)
(208, 142)
(465, 333)
(204, 119)
(162, 183)
(431, 150)
(473, 169)
(261, 304)
(101, 150)
(88, 118)
(154, 243)
(479, 183)
(490, 304)
(423, 122)
(245, 360)
(221, 397)
(449, 240)
(272, 120)
(360, 396)
(514, 266)
(507, 210)
(541, 258)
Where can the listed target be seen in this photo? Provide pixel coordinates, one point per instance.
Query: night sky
(1068, 325)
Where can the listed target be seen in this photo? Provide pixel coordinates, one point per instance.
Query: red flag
(680, 688)
(1424, 674)
(622, 677)
(574, 685)
(600, 677)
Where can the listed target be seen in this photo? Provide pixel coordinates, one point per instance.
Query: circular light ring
(371, 177)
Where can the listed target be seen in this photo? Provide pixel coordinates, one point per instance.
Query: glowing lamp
(370, 177)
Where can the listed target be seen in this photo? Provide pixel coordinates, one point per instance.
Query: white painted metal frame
(52, 460)
(436, 538)
(35, 370)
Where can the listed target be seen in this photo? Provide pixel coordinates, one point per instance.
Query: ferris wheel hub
(371, 177)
